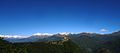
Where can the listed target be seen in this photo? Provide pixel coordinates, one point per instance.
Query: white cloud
(103, 30)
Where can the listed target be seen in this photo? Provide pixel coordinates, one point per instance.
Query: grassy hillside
(99, 43)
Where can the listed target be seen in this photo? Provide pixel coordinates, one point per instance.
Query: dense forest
(39, 47)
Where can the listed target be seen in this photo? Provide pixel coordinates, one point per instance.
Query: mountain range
(87, 42)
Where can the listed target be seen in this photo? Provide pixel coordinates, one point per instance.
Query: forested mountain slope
(40, 47)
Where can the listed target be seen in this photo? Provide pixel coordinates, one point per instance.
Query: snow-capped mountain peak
(13, 36)
(40, 34)
(64, 33)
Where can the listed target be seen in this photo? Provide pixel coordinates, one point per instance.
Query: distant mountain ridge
(52, 37)
(88, 42)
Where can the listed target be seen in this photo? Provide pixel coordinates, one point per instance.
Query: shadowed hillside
(98, 43)
(40, 47)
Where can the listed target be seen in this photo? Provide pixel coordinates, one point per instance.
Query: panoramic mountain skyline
(27, 17)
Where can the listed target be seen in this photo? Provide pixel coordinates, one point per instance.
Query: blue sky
(51, 16)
